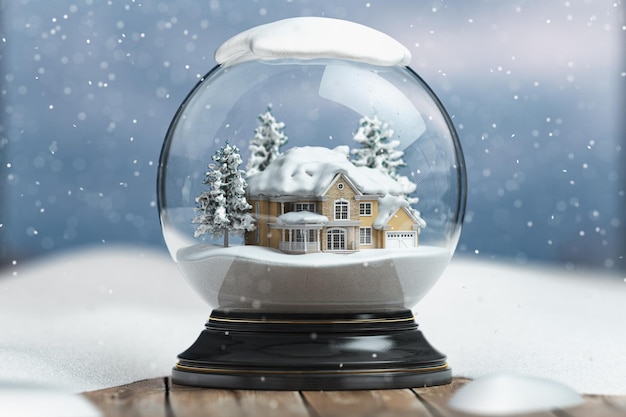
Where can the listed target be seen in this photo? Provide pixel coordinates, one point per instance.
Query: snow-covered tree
(266, 143)
(379, 151)
(224, 208)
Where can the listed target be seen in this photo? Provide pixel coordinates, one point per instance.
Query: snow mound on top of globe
(313, 38)
(307, 171)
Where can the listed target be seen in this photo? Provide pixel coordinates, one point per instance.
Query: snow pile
(115, 315)
(95, 318)
(301, 217)
(530, 320)
(312, 38)
(504, 394)
(34, 401)
(309, 171)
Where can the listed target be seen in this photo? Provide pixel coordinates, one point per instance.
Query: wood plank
(377, 403)
(140, 399)
(272, 403)
(619, 403)
(435, 399)
(190, 401)
(595, 406)
(159, 398)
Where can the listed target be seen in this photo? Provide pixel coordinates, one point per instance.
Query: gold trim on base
(287, 372)
(337, 321)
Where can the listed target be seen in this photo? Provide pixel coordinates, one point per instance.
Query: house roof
(389, 205)
(307, 172)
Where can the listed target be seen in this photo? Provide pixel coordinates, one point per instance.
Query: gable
(400, 220)
(395, 212)
(340, 178)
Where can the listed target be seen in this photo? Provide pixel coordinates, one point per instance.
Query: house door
(336, 239)
(395, 240)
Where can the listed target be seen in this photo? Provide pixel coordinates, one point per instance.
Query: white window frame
(341, 233)
(341, 203)
(365, 208)
(365, 238)
(399, 236)
(305, 207)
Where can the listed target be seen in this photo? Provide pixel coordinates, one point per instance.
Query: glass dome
(306, 182)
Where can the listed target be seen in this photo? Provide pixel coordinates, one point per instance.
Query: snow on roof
(301, 217)
(387, 207)
(312, 38)
(308, 171)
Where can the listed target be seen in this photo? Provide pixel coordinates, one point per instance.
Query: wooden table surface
(160, 398)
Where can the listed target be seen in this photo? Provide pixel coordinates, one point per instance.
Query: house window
(336, 239)
(365, 209)
(365, 236)
(340, 186)
(342, 210)
(304, 207)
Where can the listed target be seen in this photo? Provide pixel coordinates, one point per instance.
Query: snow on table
(103, 317)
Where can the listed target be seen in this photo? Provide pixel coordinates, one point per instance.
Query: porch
(300, 239)
(300, 231)
(299, 247)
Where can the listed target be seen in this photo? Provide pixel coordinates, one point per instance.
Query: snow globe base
(280, 351)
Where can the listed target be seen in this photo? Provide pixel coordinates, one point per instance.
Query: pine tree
(266, 143)
(379, 151)
(224, 208)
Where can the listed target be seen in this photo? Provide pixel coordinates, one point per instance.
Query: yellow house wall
(259, 208)
(379, 238)
(400, 221)
(328, 210)
(334, 193)
(274, 235)
(368, 221)
(268, 211)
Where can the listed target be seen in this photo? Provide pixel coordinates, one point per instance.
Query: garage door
(400, 240)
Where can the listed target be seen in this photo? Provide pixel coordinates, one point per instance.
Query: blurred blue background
(536, 91)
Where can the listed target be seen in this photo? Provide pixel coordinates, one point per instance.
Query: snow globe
(311, 190)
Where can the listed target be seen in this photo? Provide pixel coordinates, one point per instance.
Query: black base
(311, 352)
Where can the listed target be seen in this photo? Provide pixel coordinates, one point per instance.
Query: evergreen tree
(266, 143)
(224, 208)
(379, 151)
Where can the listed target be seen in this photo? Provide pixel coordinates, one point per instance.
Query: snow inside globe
(311, 190)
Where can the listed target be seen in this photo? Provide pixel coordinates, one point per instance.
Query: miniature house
(313, 199)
